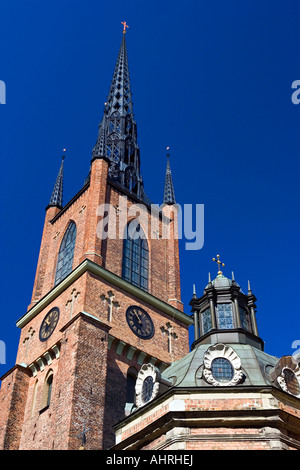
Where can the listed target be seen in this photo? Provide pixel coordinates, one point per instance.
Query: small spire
(249, 288)
(169, 194)
(194, 292)
(57, 193)
(232, 275)
(209, 278)
(100, 148)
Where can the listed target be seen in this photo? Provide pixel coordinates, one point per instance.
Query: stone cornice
(134, 430)
(90, 318)
(19, 367)
(91, 267)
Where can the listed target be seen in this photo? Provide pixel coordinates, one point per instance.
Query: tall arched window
(136, 258)
(66, 253)
(34, 397)
(130, 385)
(46, 398)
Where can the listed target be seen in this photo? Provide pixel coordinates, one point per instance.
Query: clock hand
(137, 316)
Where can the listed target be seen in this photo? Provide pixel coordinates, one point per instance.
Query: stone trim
(147, 370)
(90, 266)
(160, 416)
(222, 351)
(46, 359)
(21, 367)
(88, 317)
(130, 350)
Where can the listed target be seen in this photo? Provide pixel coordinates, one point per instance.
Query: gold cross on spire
(219, 263)
(124, 26)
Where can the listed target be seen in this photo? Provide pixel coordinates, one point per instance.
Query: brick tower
(106, 297)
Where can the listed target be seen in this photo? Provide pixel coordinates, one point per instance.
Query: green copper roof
(255, 364)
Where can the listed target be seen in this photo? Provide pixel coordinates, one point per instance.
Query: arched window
(130, 385)
(34, 397)
(66, 253)
(136, 258)
(49, 388)
(46, 398)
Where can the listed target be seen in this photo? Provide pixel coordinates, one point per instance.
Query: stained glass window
(66, 253)
(136, 259)
(222, 369)
(225, 317)
(206, 320)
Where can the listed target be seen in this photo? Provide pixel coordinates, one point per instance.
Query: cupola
(224, 314)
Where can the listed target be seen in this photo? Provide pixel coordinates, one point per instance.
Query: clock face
(48, 324)
(140, 322)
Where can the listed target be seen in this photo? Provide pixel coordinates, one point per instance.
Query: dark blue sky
(212, 80)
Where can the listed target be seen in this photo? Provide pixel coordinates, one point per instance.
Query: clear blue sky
(212, 80)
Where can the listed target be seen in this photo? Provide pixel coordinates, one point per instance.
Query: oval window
(222, 370)
(291, 381)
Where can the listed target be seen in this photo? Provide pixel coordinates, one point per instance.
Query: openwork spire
(117, 135)
(169, 193)
(57, 193)
(119, 97)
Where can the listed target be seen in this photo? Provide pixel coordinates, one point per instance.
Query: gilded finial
(124, 26)
(219, 263)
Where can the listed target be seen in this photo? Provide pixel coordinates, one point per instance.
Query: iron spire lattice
(117, 134)
(169, 193)
(57, 193)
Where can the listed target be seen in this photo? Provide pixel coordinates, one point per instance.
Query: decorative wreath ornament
(223, 351)
(287, 374)
(147, 384)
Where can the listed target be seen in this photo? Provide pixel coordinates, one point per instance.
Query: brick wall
(14, 389)
(191, 422)
(164, 275)
(78, 391)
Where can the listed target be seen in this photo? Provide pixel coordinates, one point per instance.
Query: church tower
(106, 296)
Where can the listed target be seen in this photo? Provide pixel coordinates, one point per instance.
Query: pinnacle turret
(169, 193)
(57, 193)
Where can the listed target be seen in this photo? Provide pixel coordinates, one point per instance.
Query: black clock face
(140, 322)
(48, 324)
